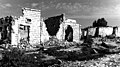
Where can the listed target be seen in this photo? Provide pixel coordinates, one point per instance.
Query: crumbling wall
(76, 30)
(83, 34)
(60, 32)
(104, 31)
(80, 32)
(14, 34)
(33, 18)
(69, 33)
(40, 30)
(23, 31)
(5, 29)
(117, 31)
(76, 33)
(53, 24)
(91, 31)
(19, 31)
(44, 34)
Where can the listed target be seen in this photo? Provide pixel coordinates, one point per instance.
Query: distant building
(105, 31)
(116, 31)
(99, 31)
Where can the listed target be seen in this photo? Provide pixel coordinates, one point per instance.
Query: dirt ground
(112, 60)
(97, 53)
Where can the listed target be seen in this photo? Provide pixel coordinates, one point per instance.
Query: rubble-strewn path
(64, 54)
(112, 60)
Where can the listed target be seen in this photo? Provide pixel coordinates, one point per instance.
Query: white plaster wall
(35, 16)
(76, 34)
(117, 32)
(103, 31)
(84, 33)
(44, 34)
(80, 31)
(14, 34)
(0, 36)
(91, 31)
(60, 33)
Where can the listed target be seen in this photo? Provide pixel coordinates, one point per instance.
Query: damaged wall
(32, 27)
(76, 29)
(117, 31)
(35, 19)
(98, 31)
(91, 31)
(53, 24)
(61, 25)
(60, 32)
(14, 38)
(83, 34)
(53, 27)
(103, 31)
(44, 34)
(6, 29)
(31, 22)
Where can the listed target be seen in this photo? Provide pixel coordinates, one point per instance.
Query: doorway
(24, 32)
(69, 34)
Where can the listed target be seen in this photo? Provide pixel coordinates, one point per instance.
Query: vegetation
(100, 23)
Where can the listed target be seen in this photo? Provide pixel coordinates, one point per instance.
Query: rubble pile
(56, 42)
(112, 60)
(90, 50)
(6, 29)
(53, 41)
(18, 58)
(66, 54)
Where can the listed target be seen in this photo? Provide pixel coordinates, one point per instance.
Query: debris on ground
(94, 52)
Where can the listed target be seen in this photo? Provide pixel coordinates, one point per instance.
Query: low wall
(104, 31)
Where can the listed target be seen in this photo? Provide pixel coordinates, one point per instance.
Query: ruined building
(98, 31)
(64, 29)
(32, 29)
(6, 29)
(101, 31)
(27, 27)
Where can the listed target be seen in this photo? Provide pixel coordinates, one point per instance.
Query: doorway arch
(69, 33)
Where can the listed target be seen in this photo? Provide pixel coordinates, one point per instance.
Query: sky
(83, 11)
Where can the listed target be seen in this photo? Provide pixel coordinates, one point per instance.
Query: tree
(6, 28)
(94, 23)
(100, 23)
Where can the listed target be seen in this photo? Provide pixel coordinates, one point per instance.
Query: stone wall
(60, 33)
(44, 34)
(117, 31)
(76, 30)
(14, 38)
(99, 31)
(103, 31)
(31, 18)
(35, 17)
(38, 31)
(91, 31)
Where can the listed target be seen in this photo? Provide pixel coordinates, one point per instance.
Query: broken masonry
(31, 27)
(6, 29)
